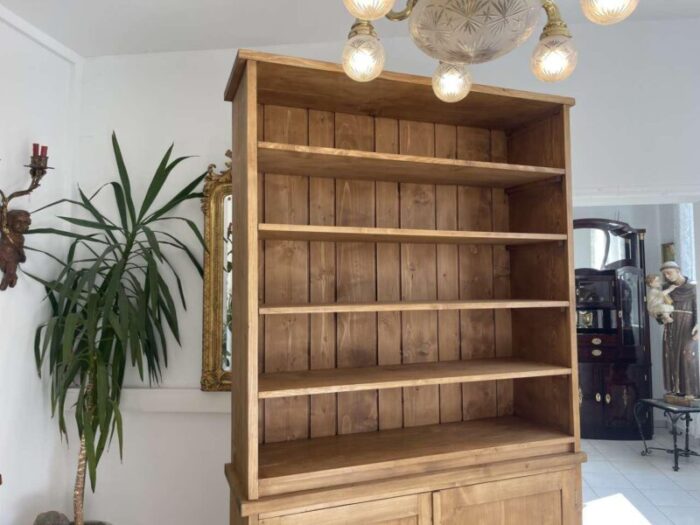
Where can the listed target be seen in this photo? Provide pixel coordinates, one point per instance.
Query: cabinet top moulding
(321, 85)
(290, 159)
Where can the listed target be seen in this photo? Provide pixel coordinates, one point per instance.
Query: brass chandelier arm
(399, 16)
(555, 23)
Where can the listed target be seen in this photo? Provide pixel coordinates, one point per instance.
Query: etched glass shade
(363, 58)
(606, 12)
(554, 58)
(368, 9)
(451, 82)
(472, 31)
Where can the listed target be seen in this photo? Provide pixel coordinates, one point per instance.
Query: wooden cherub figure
(659, 302)
(17, 223)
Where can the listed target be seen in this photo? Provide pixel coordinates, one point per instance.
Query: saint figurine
(680, 344)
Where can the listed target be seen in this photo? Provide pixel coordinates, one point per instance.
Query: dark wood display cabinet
(612, 327)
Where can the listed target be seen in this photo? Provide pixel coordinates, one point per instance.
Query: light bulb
(606, 12)
(369, 9)
(363, 57)
(554, 58)
(451, 82)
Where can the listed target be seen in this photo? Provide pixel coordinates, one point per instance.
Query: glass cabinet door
(631, 292)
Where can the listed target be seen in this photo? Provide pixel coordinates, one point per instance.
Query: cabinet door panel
(407, 510)
(544, 499)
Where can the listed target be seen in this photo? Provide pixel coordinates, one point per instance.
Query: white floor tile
(634, 496)
(588, 493)
(652, 481)
(681, 515)
(595, 480)
(672, 497)
(599, 467)
(654, 515)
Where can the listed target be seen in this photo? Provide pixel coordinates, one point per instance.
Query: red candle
(44, 151)
(35, 149)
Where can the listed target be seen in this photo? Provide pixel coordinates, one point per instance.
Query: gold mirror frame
(217, 186)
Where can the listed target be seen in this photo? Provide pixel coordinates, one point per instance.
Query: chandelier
(457, 33)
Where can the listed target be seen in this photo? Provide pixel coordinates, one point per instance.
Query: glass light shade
(554, 58)
(451, 82)
(363, 58)
(606, 12)
(472, 31)
(369, 9)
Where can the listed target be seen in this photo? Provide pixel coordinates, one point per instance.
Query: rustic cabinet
(403, 313)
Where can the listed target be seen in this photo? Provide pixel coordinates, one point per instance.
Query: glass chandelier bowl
(369, 9)
(363, 57)
(554, 58)
(472, 31)
(607, 12)
(451, 82)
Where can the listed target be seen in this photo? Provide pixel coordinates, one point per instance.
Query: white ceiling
(110, 27)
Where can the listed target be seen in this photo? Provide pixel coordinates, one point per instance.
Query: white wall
(633, 126)
(40, 82)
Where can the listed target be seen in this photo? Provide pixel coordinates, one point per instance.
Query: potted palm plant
(111, 307)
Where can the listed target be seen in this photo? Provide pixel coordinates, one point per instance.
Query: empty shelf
(314, 161)
(309, 382)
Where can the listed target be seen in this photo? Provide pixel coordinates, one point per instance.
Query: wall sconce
(15, 223)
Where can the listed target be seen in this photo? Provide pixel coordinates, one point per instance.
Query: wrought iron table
(674, 414)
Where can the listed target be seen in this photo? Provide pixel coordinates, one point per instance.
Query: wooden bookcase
(403, 301)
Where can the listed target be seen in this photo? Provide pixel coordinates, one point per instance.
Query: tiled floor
(663, 496)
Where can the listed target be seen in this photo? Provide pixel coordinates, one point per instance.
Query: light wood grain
(364, 165)
(402, 235)
(402, 485)
(244, 402)
(407, 306)
(331, 380)
(356, 278)
(299, 463)
(323, 85)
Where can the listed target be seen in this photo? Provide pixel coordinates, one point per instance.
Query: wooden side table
(675, 413)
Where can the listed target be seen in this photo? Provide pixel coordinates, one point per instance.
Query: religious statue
(681, 364)
(12, 246)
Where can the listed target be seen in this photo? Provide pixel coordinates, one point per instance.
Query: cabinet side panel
(286, 278)
(356, 278)
(245, 288)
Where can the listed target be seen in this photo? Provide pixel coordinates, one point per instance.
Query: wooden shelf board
(302, 461)
(311, 382)
(407, 306)
(315, 161)
(294, 232)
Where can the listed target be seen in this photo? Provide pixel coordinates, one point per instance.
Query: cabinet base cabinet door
(544, 499)
(406, 510)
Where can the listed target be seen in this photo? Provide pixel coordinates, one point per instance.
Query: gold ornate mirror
(217, 205)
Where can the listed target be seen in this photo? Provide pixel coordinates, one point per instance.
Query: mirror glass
(227, 288)
(596, 249)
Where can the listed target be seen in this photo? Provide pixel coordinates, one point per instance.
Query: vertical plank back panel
(388, 277)
(322, 277)
(245, 288)
(418, 277)
(261, 277)
(501, 275)
(477, 329)
(447, 275)
(286, 278)
(356, 278)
